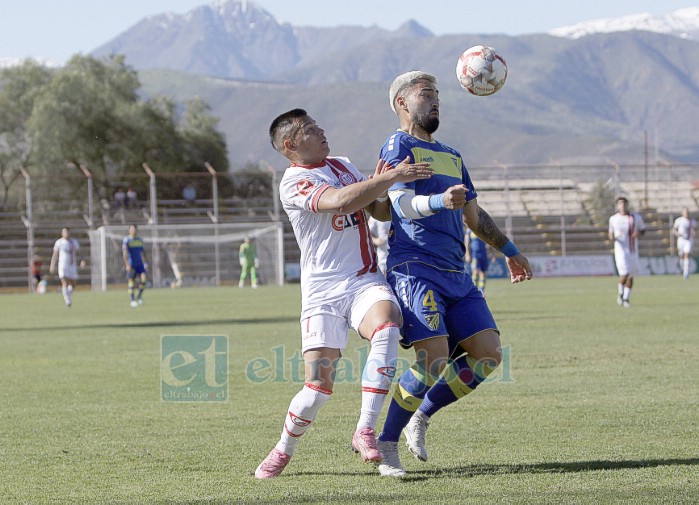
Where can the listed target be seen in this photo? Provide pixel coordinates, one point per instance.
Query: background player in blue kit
(445, 317)
(477, 258)
(135, 263)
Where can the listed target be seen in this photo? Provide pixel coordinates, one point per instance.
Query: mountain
(568, 99)
(683, 23)
(237, 39)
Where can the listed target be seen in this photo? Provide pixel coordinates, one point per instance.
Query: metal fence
(555, 209)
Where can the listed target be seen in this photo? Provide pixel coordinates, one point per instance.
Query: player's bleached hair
(405, 81)
(283, 127)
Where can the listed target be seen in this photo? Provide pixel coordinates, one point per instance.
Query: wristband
(381, 200)
(509, 249)
(436, 202)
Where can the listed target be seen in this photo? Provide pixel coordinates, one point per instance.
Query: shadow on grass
(534, 468)
(162, 324)
(563, 467)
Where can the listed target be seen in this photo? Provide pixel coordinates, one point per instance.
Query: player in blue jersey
(477, 258)
(445, 317)
(135, 263)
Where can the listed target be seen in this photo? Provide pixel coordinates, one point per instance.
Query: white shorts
(626, 261)
(684, 246)
(327, 325)
(69, 272)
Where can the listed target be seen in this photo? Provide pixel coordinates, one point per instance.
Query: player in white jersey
(625, 228)
(341, 287)
(65, 254)
(684, 229)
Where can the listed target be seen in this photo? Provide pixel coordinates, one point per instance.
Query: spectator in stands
(189, 193)
(625, 228)
(131, 198)
(119, 198)
(684, 229)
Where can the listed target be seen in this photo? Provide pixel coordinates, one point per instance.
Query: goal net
(189, 254)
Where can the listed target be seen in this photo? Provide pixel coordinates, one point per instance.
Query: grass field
(594, 403)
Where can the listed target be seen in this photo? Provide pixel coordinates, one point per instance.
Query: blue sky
(58, 29)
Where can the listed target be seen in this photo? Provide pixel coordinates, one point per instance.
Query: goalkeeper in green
(248, 262)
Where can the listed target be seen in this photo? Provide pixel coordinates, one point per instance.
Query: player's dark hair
(622, 199)
(282, 126)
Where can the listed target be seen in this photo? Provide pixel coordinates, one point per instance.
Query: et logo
(193, 368)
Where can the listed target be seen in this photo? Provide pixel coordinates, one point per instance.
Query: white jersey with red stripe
(335, 248)
(623, 227)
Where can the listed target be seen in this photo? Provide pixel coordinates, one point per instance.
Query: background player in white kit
(65, 253)
(684, 229)
(341, 287)
(625, 228)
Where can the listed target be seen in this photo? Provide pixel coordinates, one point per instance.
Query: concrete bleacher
(543, 216)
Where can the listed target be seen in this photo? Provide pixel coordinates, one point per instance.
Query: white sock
(378, 373)
(627, 294)
(620, 289)
(685, 267)
(302, 411)
(66, 293)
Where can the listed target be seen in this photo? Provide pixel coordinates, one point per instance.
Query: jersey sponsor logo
(304, 187)
(342, 221)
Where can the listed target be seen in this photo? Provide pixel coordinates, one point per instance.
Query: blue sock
(460, 378)
(407, 396)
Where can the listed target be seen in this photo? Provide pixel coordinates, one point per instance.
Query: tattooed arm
(480, 222)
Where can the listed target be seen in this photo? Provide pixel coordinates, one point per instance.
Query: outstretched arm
(480, 223)
(361, 194)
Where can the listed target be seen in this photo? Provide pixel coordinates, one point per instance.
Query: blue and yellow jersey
(477, 246)
(134, 248)
(436, 240)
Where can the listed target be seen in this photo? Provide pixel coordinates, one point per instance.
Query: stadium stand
(544, 215)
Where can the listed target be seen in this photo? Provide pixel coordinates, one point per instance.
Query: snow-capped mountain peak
(682, 23)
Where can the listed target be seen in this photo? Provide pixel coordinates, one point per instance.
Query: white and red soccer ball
(481, 70)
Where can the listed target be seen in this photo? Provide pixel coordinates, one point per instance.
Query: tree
(91, 114)
(202, 142)
(19, 88)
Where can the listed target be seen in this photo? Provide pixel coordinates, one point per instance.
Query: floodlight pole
(155, 259)
(28, 220)
(508, 212)
(275, 188)
(563, 219)
(90, 203)
(214, 195)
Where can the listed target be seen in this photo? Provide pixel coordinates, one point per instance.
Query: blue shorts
(437, 303)
(136, 270)
(480, 262)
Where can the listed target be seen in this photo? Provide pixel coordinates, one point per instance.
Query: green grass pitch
(593, 404)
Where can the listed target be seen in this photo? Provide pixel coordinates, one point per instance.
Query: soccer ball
(481, 70)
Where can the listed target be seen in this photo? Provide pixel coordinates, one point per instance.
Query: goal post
(189, 254)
